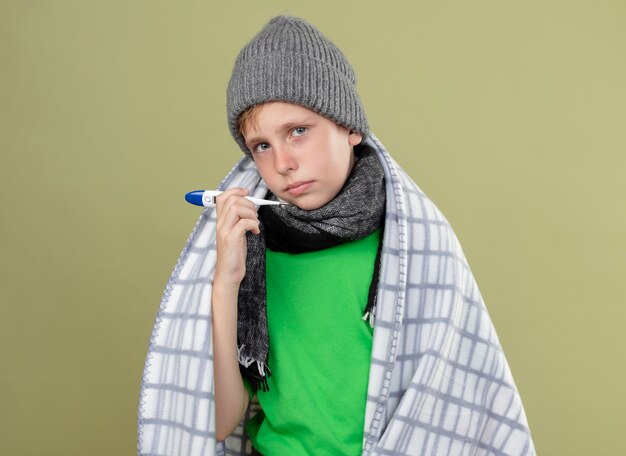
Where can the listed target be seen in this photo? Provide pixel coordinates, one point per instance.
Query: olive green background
(509, 115)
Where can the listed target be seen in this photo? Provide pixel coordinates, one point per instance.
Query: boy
(293, 291)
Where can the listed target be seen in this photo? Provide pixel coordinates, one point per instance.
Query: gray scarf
(357, 211)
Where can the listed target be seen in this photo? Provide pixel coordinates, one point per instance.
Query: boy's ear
(354, 138)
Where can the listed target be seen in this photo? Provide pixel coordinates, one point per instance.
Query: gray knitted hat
(290, 60)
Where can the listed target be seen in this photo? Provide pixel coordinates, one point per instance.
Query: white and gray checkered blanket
(439, 382)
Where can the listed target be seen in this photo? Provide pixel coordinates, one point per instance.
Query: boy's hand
(235, 216)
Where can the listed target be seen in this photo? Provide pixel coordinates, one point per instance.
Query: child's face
(303, 157)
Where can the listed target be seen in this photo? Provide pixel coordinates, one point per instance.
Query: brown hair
(248, 116)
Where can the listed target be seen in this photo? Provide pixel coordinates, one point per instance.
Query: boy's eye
(261, 147)
(299, 131)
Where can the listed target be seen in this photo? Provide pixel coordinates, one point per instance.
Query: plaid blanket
(439, 382)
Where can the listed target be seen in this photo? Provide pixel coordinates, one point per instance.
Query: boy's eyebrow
(282, 127)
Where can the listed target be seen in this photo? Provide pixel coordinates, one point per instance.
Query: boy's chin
(309, 201)
(306, 204)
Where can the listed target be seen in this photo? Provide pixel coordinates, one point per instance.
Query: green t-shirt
(320, 350)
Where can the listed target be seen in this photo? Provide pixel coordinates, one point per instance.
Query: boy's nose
(284, 160)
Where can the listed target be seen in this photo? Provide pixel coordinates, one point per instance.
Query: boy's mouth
(298, 187)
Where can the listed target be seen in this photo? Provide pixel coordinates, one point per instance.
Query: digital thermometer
(206, 198)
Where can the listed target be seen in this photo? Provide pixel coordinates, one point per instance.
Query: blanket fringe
(371, 316)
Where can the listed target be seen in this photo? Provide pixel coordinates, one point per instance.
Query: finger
(234, 198)
(228, 230)
(235, 211)
(249, 225)
(236, 235)
(226, 194)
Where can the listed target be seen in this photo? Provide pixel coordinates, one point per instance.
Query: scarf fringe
(258, 379)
